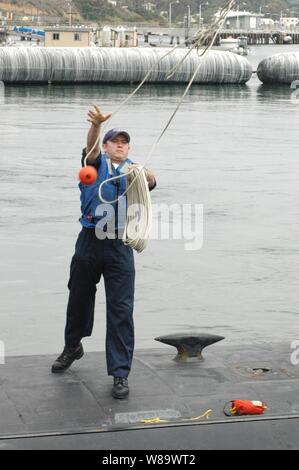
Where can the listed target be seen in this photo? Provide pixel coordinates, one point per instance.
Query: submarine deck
(75, 410)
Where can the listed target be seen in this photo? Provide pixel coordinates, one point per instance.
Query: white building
(267, 22)
(149, 6)
(2, 19)
(289, 22)
(241, 20)
(117, 37)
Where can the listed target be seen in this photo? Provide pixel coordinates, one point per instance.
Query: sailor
(96, 256)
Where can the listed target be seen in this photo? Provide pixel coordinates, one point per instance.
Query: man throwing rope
(96, 256)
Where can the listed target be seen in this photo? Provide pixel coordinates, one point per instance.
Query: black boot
(67, 357)
(120, 387)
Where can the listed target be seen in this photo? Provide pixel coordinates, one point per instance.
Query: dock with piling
(255, 36)
(261, 37)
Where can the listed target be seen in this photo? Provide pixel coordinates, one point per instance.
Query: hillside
(134, 11)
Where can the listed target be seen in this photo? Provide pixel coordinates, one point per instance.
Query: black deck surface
(75, 410)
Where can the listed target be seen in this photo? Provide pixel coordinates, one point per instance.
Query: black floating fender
(123, 65)
(189, 344)
(279, 68)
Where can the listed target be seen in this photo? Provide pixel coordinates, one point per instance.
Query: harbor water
(232, 148)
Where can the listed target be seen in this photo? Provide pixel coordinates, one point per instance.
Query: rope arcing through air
(136, 189)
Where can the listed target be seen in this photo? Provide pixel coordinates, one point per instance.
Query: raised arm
(95, 117)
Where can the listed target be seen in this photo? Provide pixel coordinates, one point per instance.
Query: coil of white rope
(139, 213)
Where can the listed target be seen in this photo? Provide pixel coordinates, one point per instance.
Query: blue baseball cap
(113, 133)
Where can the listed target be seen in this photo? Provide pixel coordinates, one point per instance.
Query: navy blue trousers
(115, 261)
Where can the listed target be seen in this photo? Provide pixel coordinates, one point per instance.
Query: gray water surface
(233, 149)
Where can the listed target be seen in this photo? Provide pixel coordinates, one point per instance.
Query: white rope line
(218, 23)
(201, 37)
(137, 187)
(139, 213)
(127, 99)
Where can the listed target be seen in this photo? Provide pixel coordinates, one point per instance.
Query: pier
(261, 37)
(255, 36)
(181, 35)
